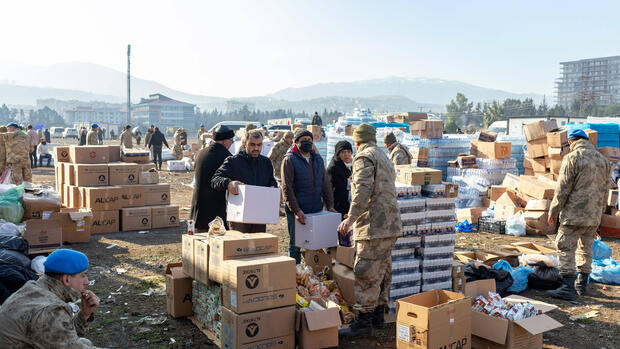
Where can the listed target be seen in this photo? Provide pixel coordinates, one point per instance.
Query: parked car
(57, 132)
(233, 125)
(70, 133)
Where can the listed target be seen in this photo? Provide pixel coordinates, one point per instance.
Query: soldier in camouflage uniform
(38, 316)
(201, 131)
(375, 218)
(276, 154)
(578, 202)
(177, 149)
(399, 154)
(3, 131)
(127, 138)
(91, 137)
(18, 149)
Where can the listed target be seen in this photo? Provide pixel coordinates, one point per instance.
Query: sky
(250, 48)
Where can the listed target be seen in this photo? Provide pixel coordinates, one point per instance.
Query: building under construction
(589, 81)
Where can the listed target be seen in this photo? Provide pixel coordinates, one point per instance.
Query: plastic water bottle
(190, 227)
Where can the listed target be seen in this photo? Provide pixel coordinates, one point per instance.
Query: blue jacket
(305, 184)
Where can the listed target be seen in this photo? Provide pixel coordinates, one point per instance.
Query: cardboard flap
(481, 287)
(489, 327)
(175, 270)
(542, 306)
(538, 324)
(76, 216)
(319, 320)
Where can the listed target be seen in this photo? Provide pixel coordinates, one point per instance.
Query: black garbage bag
(12, 278)
(503, 279)
(544, 277)
(14, 257)
(14, 243)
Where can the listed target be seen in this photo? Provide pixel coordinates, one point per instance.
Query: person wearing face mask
(399, 154)
(249, 167)
(44, 153)
(206, 202)
(38, 316)
(339, 171)
(305, 185)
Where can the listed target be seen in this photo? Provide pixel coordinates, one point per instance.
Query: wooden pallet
(210, 334)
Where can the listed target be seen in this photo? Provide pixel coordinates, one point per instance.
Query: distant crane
(128, 85)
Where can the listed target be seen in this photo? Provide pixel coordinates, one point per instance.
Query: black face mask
(306, 146)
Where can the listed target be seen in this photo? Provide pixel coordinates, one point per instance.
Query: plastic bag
(14, 243)
(464, 227)
(606, 271)
(600, 250)
(14, 257)
(544, 277)
(11, 209)
(216, 227)
(37, 264)
(538, 259)
(519, 276)
(515, 225)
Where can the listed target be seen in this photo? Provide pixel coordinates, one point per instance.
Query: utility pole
(128, 86)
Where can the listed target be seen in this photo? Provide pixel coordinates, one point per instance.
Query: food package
(216, 227)
(207, 306)
(494, 305)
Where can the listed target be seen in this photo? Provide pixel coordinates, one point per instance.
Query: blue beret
(12, 124)
(202, 125)
(65, 261)
(94, 125)
(577, 133)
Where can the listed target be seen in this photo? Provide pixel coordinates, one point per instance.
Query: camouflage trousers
(574, 244)
(21, 172)
(177, 150)
(373, 273)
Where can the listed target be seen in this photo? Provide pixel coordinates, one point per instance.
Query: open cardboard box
(525, 333)
(533, 248)
(318, 328)
(487, 258)
(178, 291)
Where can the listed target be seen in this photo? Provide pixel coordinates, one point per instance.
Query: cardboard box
(529, 172)
(556, 165)
(466, 161)
(43, 235)
(103, 198)
(157, 194)
(418, 175)
(612, 154)
(592, 136)
(320, 230)
(114, 153)
(187, 250)
(38, 206)
(528, 247)
(89, 154)
(104, 222)
(135, 218)
(201, 260)
(274, 328)
(148, 177)
(254, 204)
(145, 167)
(458, 284)
(511, 181)
(319, 328)
(537, 148)
(495, 191)
(536, 188)
(488, 258)
(134, 196)
(247, 303)
(493, 150)
(74, 196)
(537, 165)
(487, 136)
(458, 269)
(538, 205)
(557, 139)
(558, 153)
(164, 216)
(470, 214)
(69, 174)
(539, 129)
(433, 319)
(62, 154)
(612, 197)
(537, 220)
(452, 189)
(346, 255)
(419, 153)
(135, 155)
(430, 129)
(75, 224)
(87, 175)
(345, 278)
(503, 212)
(178, 291)
(123, 173)
(316, 132)
(348, 130)
(319, 261)
(526, 333)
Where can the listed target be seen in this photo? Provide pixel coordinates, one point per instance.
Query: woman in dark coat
(206, 202)
(339, 172)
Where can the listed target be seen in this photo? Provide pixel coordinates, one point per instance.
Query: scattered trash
(588, 315)
(172, 341)
(107, 312)
(121, 270)
(147, 293)
(112, 246)
(120, 288)
(124, 317)
(152, 321)
(142, 232)
(91, 283)
(125, 303)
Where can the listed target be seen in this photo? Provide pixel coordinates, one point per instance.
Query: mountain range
(24, 84)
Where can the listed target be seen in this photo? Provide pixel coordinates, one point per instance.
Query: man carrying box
(305, 185)
(245, 167)
(578, 201)
(375, 218)
(399, 154)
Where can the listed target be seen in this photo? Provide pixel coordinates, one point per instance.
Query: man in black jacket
(157, 140)
(245, 167)
(339, 172)
(206, 202)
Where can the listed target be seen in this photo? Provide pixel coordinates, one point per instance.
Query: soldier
(276, 154)
(34, 139)
(3, 131)
(91, 137)
(126, 137)
(399, 154)
(577, 205)
(201, 131)
(18, 149)
(38, 316)
(375, 218)
(177, 149)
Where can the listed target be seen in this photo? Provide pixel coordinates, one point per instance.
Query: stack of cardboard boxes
(121, 195)
(610, 222)
(427, 129)
(487, 147)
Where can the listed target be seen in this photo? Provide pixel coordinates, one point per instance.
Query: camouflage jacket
(38, 316)
(127, 139)
(91, 138)
(200, 133)
(276, 155)
(18, 147)
(373, 195)
(582, 186)
(399, 154)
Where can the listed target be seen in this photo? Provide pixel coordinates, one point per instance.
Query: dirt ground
(127, 274)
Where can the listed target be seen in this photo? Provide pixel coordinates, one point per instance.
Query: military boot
(377, 317)
(581, 283)
(362, 326)
(567, 290)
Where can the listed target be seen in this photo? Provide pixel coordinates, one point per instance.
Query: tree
(495, 112)
(459, 109)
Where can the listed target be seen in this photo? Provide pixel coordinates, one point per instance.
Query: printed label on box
(403, 333)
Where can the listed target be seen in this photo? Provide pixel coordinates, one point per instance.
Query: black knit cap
(300, 132)
(223, 132)
(342, 145)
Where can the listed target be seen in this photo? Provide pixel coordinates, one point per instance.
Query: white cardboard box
(254, 204)
(320, 230)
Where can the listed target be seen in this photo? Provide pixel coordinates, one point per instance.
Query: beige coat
(127, 139)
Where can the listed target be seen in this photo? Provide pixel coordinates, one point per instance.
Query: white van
(56, 132)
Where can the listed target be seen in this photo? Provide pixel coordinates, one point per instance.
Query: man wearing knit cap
(577, 206)
(305, 185)
(208, 203)
(374, 217)
(38, 316)
(399, 154)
